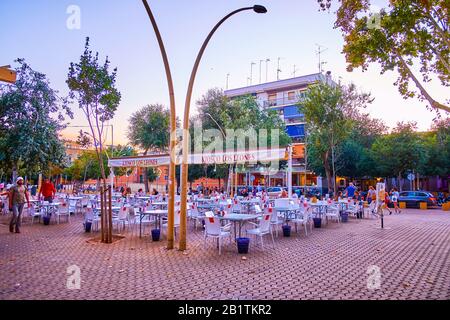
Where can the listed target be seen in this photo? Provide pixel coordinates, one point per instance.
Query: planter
(46, 220)
(156, 233)
(317, 222)
(87, 226)
(344, 216)
(242, 244)
(286, 230)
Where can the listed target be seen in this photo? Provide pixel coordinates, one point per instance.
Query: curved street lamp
(173, 128)
(184, 166)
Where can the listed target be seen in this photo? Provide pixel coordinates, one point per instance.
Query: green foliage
(93, 87)
(324, 110)
(399, 152)
(409, 35)
(437, 145)
(149, 128)
(86, 166)
(31, 116)
(216, 111)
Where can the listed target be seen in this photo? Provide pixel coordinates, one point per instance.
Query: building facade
(284, 96)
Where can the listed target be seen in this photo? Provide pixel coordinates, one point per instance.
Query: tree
(149, 130)
(323, 108)
(216, 111)
(410, 35)
(86, 166)
(31, 116)
(93, 86)
(400, 152)
(437, 144)
(356, 159)
(83, 140)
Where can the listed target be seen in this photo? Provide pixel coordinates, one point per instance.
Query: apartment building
(284, 96)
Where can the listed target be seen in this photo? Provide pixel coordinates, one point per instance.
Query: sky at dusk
(36, 30)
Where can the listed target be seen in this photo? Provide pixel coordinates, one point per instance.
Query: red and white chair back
(212, 226)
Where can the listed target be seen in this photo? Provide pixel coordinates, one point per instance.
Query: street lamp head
(259, 9)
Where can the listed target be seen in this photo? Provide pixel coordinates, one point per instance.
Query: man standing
(350, 191)
(47, 190)
(17, 197)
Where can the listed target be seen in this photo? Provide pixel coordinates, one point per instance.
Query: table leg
(140, 225)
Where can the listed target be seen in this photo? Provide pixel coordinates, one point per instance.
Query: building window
(291, 95)
(272, 99)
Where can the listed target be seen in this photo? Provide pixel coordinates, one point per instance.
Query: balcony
(283, 101)
(279, 102)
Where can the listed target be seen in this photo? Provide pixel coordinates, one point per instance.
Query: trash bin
(344, 216)
(423, 206)
(87, 226)
(242, 244)
(156, 233)
(46, 220)
(317, 222)
(286, 230)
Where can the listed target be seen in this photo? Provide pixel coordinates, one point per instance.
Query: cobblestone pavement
(333, 262)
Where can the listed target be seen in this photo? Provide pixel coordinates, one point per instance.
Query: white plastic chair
(176, 221)
(274, 219)
(194, 215)
(332, 212)
(122, 218)
(262, 228)
(32, 213)
(63, 210)
(214, 230)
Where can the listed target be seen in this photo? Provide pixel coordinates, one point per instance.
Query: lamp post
(224, 138)
(173, 128)
(184, 171)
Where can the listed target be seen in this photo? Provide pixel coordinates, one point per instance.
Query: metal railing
(281, 101)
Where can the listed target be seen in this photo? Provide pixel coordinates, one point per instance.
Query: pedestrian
(386, 201)
(350, 190)
(18, 197)
(33, 190)
(394, 196)
(47, 190)
(371, 195)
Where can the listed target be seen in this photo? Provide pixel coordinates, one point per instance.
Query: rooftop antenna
(278, 69)
(320, 50)
(295, 70)
(228, 76)
(251, 72)
(260, 70)
(267, 68)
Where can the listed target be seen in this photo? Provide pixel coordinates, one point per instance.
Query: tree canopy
(409, 36)
(31, 117)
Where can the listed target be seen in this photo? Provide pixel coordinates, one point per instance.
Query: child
(386, 201)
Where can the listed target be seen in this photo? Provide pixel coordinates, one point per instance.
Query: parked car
(274, 192)
(414, 198)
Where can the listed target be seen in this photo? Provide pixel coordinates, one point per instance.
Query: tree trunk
(327, 168)
(400, 184)
(145, 178)
(14, 173)
(334, 170)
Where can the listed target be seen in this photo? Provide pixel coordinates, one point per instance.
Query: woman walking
(394, 197)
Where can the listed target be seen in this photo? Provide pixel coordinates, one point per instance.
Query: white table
(239, 219)
(158, 214)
